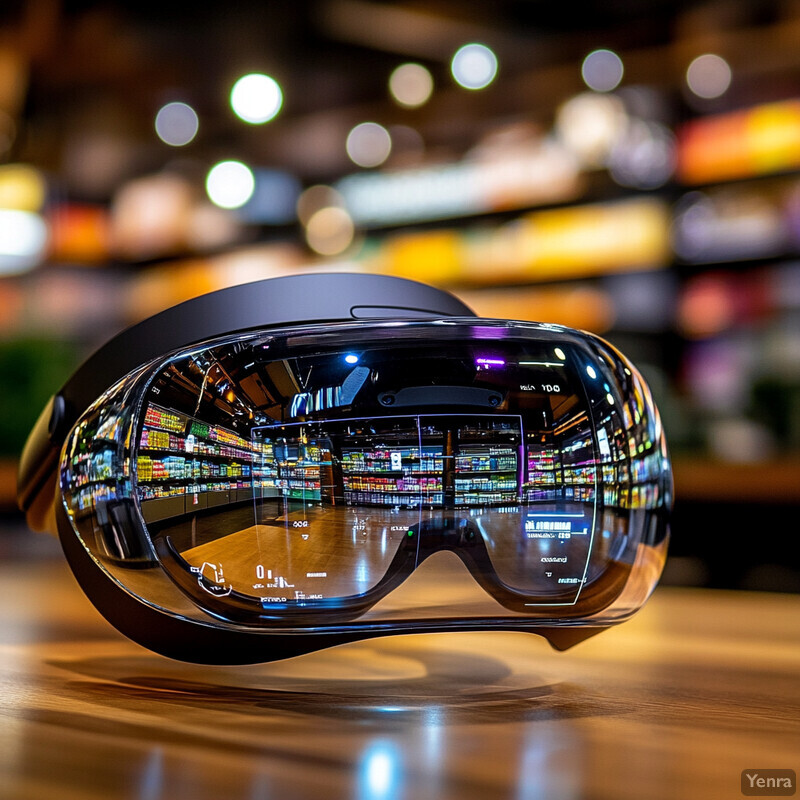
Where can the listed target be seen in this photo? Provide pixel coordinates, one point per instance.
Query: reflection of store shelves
(400, 460)
(300, 479)
(474, 487)
(185, 465)
(485, 498)
(401, 476)
(406, 499)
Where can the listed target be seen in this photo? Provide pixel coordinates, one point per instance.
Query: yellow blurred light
(411, 85)
(330, 231)
(594, 238)
(576, 307)
(368, 144)
(474, 66)
(431, 256)
(709, 76)
(760, 140)
(602, 70)
(22, 188)
(546, 245)
(256, 98)
(176, 124)
(230, 184)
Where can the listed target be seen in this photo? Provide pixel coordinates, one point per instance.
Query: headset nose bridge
(454, 533)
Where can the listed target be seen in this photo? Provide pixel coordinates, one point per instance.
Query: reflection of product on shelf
(181, 456)
(473, 486)
(160, 418)
(403, 476)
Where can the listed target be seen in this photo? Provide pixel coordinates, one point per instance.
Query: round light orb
(256, 98)
(709, 76)
(602, 70)
(368, 144)
(411, 85)
(176, 124)
(330, 231)
(230, 184)
(315, 198)
(474, 66)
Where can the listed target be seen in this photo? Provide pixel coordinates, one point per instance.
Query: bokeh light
(411, 85)
(474, 66)
(150, 215)
(368, 144)
(176, 124)
(23, 239)
(22, 187)
(256, 98)
(330, 231)
(591, 125)
(602, 70)
(230, 184)
(315, 198)
(709, 76)
(645, 157)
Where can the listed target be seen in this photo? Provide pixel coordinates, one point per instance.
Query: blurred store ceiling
(82, 81)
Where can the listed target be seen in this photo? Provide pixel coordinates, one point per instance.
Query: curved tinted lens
(276, 476)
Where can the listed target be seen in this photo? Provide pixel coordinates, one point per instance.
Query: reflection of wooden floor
(672, 705)
(343, 551)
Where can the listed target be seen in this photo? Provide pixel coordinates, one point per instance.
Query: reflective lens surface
(298, 478)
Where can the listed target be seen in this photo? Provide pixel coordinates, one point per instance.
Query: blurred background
(629, 168)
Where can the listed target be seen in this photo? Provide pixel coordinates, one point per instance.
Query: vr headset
(282, 466)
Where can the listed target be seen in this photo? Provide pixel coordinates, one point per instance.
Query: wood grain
(673, 704)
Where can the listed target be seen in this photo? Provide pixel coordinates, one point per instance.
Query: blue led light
(351, 358)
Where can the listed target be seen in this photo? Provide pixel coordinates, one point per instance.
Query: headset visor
(296, 478)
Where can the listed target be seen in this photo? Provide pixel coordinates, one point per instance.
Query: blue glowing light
(380, 772)
(351, 358)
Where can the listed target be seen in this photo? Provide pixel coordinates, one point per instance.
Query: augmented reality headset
(282, 466)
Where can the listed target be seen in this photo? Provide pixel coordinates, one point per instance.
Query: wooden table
(673, 704)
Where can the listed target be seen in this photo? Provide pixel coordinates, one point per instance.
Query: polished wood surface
(673, 704)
